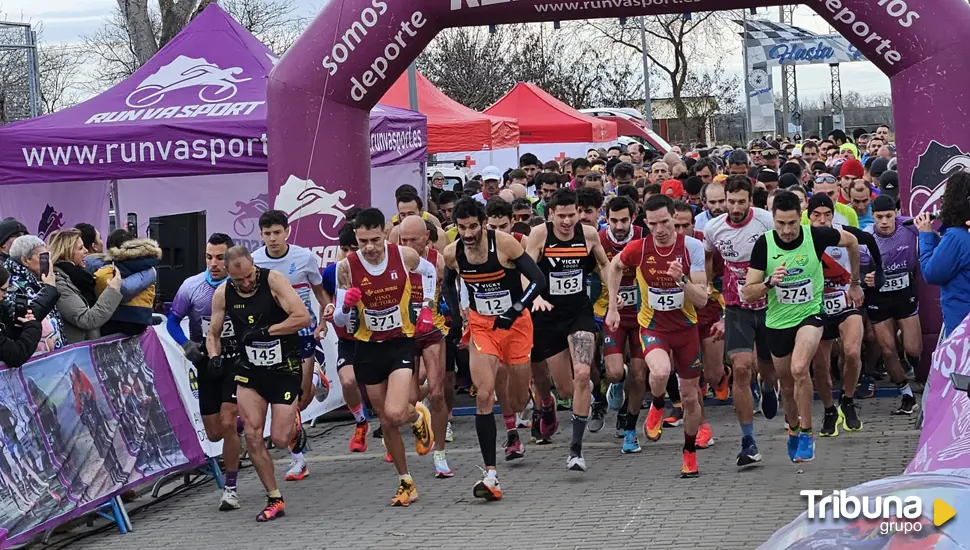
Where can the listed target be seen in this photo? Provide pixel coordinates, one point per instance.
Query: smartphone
(133, 223)
(20, 306)
(45, 263)
(960, 381)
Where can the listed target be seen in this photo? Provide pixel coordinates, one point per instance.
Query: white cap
(491, 173)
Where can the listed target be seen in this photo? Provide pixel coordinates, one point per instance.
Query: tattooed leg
(582, 345)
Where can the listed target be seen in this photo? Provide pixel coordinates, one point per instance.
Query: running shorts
(782, 340)
(345, 352)
(277, 388)
(512, 347)
(744, 327)
(615, 341)
(684, 347)
(427, 340)
(882, 308)
(307, 343)
(375, 361)
(551, 330)
(213, 392)
(833, 322)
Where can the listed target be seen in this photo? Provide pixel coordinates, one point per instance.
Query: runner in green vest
(792, 254)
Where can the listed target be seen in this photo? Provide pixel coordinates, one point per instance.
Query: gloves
(880, 278)
(193, 351)
(215, 367)
(351, 298)
(424, 323)
(257, 335)
(505, 320)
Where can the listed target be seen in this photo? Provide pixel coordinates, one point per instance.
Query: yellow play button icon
(942, 512)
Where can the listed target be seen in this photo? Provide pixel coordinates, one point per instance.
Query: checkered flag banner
(769, 33)
(779, 43)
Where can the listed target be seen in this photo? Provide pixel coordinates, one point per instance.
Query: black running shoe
(830, 424)
(850, 416)
(536, 417)
(907, 406)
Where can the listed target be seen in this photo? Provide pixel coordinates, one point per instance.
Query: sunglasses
(825, 178)
(522, 217)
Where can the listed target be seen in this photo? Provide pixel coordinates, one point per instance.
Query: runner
(732, 236)
(266, 315)
(893, 306)
(668, 317)
(627, 385)
(217, 391)
(418, 235)
(375, 281)
(564, 328)
(492, 264)
(792, 255)
(841, 321)
(589, 203)
(302, 269)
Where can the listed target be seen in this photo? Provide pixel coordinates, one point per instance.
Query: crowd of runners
(615, 281)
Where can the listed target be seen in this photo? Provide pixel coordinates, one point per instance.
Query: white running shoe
(449, 433)
(441, 469)
(298, 470)
(576, 464)
(230, 500)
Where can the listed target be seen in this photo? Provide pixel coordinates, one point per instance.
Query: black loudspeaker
(182, 240)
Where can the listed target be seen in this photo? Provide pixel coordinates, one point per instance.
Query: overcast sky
(66, 21)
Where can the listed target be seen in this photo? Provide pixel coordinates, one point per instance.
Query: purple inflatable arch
(322, 90)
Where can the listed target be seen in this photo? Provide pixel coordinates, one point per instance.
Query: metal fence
(19, 74)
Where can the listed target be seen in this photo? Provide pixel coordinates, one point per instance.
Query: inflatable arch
(320, 93)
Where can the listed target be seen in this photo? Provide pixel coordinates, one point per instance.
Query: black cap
(879, 166)
(820, 199)
(883, 203)
(889, 183)
(766, 176)
(788, 180)
(10, 227)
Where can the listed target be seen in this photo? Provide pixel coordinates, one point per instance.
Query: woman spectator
(945, 261)
(18, 336)
(81, 309)
(29, 284)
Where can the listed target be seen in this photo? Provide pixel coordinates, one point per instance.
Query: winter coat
(41, 299)
(83, 321)
(135, 256)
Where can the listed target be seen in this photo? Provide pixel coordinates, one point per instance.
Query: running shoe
(564, 404)
(850, 416)
(522, 420)
(597, 417)
(321, 386)
(749, 455)
(676, 417)
(576, 463)
(792, 444)
(630, 442)
(379, 432)
(806, 448)
(449, 433)
(230, 500)
(653, 425)
(405, 495)
(488, 487)
(722, 390)
(689, 467)
(548, 424)
(620, 425)
(514, 449)
(614, 396)
(358, 443)
(704, 436)
(298, 470)
(769, 400)
(275, 508)
(423, 436)
(907, 406)
(866, 387)
(441, 469)
(830, 423)
(536, 422)
(387, 455)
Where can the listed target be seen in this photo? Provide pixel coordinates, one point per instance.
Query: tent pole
(117, 203)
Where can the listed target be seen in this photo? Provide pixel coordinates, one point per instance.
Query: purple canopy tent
(185, 132)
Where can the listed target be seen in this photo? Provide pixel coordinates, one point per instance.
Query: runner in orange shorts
(492, 264)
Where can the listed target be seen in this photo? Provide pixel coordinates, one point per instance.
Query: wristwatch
(683, 281)
(518, 307)
(768, 284)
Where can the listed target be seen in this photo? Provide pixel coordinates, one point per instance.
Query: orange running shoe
(387, 455)
(653, 425)
(722, 390)
(405, 495)
(689, 468)
(704, 436)
(423, 435)
(488, 487)
(358, 443)
(275, 508)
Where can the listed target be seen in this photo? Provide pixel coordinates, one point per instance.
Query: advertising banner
(84, 424)
(47, 207)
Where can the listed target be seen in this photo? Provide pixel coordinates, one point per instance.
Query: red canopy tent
(545, 119)
(451, 125)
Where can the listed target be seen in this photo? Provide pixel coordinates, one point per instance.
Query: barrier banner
(84, 424)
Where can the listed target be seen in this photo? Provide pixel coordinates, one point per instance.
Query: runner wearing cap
(491, 179)
(673, 189)
(850, 171)
(844, 214)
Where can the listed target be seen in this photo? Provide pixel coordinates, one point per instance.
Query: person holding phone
(19, 335)
(81, 309)
(32, 278)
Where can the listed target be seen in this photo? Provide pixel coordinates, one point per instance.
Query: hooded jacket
(133, 257)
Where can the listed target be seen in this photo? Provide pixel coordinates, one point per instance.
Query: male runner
(667, 317)
(792, 255)
(894, 306)
(416, 234)
(589, 203)
(375, 281)
(841, 321)
(492, 264)
(567, 252)
(627, 385)
(266, 314)
(732, 235)
(302, 269)
(217, 391)
(498, 217)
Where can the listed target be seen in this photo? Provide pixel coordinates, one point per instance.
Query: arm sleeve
(695, 251)
(759, 254)
(937, 258)
(136, 283)
(429, 276)
(339, 317)
(180, 308)
(450, 294)
(17, 351)
(537, 282)
(174, 326)
(868, 241)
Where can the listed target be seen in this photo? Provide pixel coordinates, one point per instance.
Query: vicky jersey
(665, 307)
(492, 287)
(385, 303)
(302, 270)
(734, 243)
(629, 292)
(900, 258)
(418, 294)
(194, 300)
(566, 265)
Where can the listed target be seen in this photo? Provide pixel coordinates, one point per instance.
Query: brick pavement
(634, 501)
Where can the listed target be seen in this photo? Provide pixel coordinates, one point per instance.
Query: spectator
(945, 260)
(131, 256)
(10, 229)
(82, 310)
(91, 238)
(18, 337)
(28, 284)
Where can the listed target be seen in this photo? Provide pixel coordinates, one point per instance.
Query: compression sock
(632, 419)
(579, 428)
(358, 413)
(231, 479)
(747, 430)
(509, 422)
(690, 443)
(485, 428)
(658, 402)
(905, 389)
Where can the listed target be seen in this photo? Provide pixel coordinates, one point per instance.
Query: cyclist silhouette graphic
(217, 84)
(301, 198)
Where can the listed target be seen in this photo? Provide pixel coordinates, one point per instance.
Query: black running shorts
(375, 361)
(277, 388)
(551, 330)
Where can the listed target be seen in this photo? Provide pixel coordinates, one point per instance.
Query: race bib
(796, 294)
(228, 331)
(265, 354)
(206, 323)
(562, 284)
(661, 299)
(896, 282)
(629, 295)
(493, 303)
(834, 303)
(384, 320)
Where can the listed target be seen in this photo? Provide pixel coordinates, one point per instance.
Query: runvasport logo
(459, 4)
(933, 168)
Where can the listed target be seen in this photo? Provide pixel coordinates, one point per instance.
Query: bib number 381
(898, 282)
(265, 354)
(562, 284)
(800, 293)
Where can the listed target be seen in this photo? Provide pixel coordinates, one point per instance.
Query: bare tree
(58, 68)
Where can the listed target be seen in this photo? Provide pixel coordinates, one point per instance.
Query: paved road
(635, 501)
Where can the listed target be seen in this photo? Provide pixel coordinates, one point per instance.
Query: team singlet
(734, 242)
(664, 306)
(417, 293)
(711, 312)
(194, 300)
(301, 268)
(492, 287)
(799, 295)
(566, 265)
(276, 353)
(330, 285)
(900, 258)
(385, 305)
(837, 272)
(629, 292)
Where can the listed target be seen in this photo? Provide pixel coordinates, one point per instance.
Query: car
(453, 173)
(629, 122)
